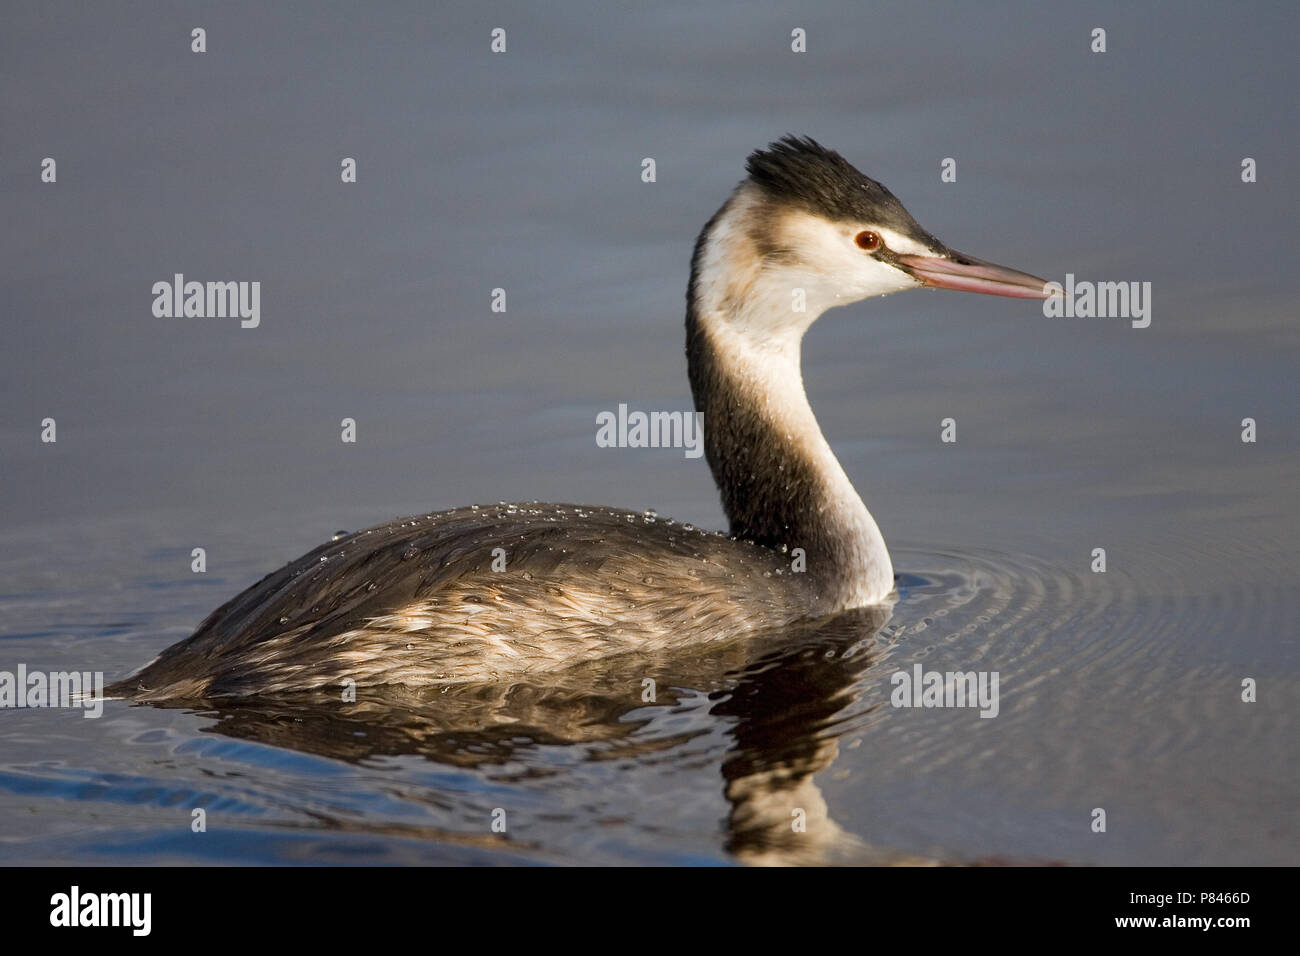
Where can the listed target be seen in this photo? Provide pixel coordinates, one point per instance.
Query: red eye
(867, 240)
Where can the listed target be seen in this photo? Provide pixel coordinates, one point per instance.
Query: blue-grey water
(1120, 691)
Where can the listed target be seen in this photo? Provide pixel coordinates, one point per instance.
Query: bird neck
(781, 484)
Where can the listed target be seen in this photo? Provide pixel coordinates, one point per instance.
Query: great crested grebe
(417, 602)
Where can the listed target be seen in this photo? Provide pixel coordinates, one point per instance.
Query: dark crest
(801, 171)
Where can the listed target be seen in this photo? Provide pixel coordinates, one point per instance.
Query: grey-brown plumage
(416, 602)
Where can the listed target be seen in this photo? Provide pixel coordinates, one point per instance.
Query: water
(1118, 690)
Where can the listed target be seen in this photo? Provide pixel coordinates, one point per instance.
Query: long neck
(780, 482)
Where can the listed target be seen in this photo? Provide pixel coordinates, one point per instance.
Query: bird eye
(867, 240)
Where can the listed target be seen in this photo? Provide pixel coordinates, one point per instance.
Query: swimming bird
(421, 601)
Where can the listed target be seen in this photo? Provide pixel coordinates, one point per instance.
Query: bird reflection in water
(782, 700)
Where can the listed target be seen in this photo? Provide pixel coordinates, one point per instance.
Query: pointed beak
(955, 270)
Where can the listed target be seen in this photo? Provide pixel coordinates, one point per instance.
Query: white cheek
(838, 272)
(868, 277)
(881, 279)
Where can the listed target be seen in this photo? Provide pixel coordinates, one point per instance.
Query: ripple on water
(1100, 675)
(1113, 685)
